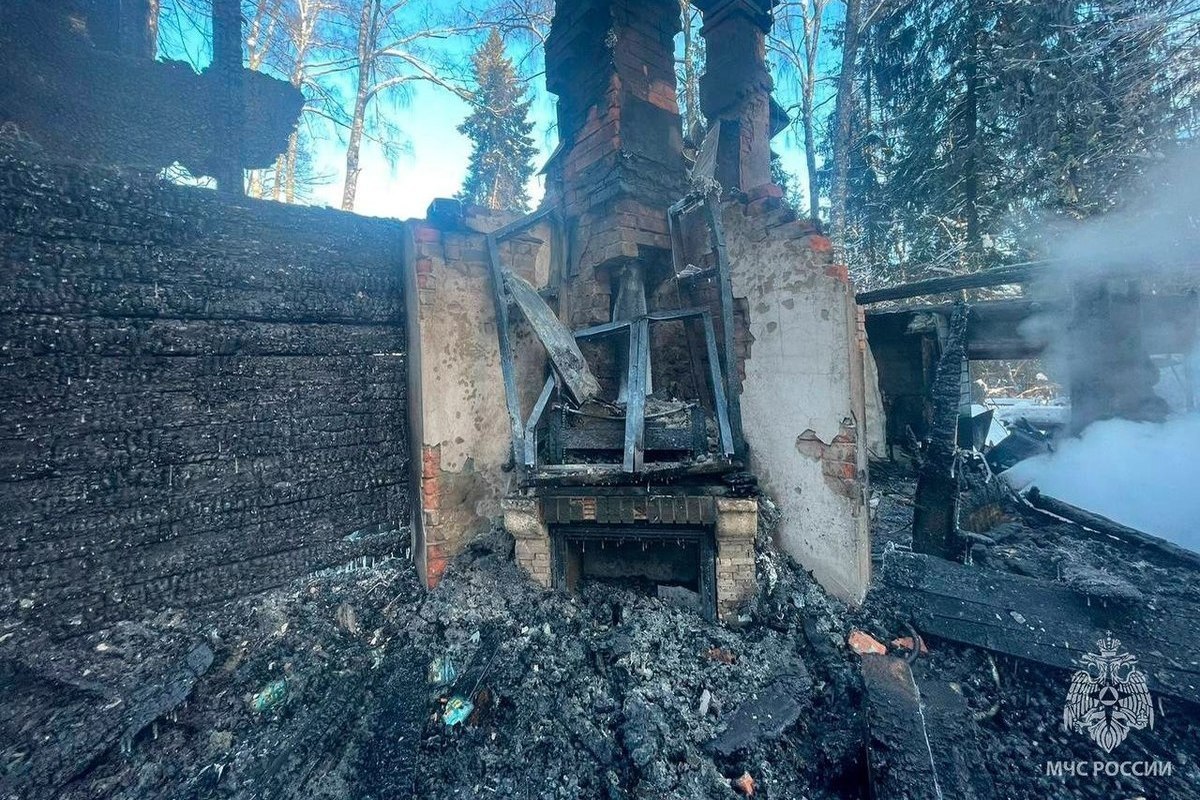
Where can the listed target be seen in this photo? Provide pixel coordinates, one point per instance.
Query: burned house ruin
(700, 319)
(572, 504)
(609, 375)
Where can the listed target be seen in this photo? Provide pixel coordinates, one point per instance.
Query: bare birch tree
(391, 51)
(796, 44)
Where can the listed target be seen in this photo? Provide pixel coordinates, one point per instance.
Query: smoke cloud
(1142, 474)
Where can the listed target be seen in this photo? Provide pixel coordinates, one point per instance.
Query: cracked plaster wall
(459, 413)
(803, 397)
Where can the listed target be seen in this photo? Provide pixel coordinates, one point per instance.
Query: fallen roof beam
(1104, 525)
(1045, 622)
(561, 348)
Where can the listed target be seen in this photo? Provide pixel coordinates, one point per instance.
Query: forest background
(928, 137)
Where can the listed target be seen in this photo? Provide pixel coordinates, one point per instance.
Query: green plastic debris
(458, 709)
(270, 696)
(442, 672)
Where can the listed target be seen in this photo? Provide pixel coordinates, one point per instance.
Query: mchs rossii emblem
(1108, 697)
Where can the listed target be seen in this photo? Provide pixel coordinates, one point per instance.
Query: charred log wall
(198, 400)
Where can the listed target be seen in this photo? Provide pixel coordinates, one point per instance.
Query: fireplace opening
(650, 559)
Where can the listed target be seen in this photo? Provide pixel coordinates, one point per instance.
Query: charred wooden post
(80, 80)
(935, 517)
(229, 102)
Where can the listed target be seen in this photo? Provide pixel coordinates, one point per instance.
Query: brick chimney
(620, 165)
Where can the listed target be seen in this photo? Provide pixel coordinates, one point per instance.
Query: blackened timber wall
(197, 400)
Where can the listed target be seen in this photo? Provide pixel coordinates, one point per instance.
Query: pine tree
(976, 120)
(502, 156)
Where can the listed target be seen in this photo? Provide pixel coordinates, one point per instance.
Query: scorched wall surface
(198, 399)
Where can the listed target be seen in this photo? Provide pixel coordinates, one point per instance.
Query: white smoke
(1144, 475)
(1141, 474)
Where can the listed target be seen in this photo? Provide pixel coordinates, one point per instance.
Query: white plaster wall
(804, 374)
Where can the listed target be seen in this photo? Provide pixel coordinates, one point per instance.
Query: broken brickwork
(731, 523)
(459, 414)
(803, 388)
(611, 63)
(200, 400)
(736, 90)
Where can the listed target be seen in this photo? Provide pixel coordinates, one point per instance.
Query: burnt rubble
(338, 686)
(358, 683)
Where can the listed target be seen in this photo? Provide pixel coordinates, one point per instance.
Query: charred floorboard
(922, 743)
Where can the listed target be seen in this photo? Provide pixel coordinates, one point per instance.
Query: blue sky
(434, 158)
(435, 162)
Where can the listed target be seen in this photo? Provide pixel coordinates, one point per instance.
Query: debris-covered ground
(1019, 705)
(339, 686)
(345, 685)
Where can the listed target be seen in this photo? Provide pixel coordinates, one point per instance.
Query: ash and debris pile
(358, 684)
(1042, 576)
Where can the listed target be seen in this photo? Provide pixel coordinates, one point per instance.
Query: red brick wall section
(839, 459)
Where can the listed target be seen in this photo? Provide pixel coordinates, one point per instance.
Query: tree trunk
(971, 135)
(280, 176)
(152, 14)
(810, 157)
(354, 149)
(290, 180)
(229, 108)
(843, 138)
(808, 90)
(255, 184)
(691, 78)
(366, 46)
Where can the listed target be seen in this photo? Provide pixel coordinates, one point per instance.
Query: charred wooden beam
(1017, 273)
(635, 407)
(229, 109)
(604, 474)
(922, 738)
(508, 368)
(1044, 622)
(733, 389)
(561, 348)
(1132, 537)
(935, 516)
